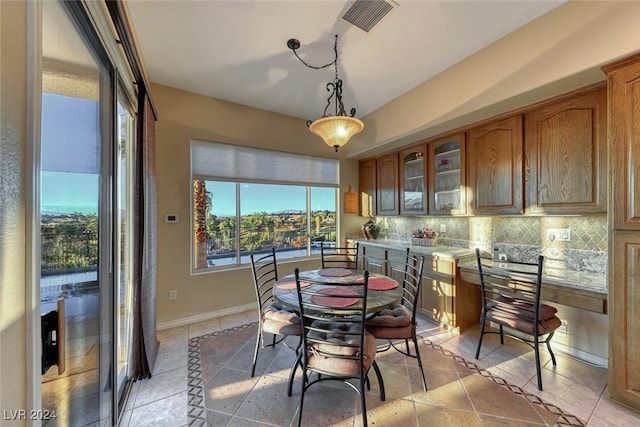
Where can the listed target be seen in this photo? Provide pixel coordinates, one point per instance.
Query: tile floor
(574, 387)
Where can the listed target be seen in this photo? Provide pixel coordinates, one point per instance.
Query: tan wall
(13, 69)
(560, 51)
(183, 116)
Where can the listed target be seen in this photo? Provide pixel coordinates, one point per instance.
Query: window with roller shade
(247, 200)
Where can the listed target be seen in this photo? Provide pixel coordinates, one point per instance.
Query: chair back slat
(513, 289)
(411, 281)
(340, 257)
(265, 274)
(327, 324)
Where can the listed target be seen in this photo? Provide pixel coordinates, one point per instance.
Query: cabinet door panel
(624, 143)
(387, 180)
(367, 187)
(413, 179)
(495, 167)
(447, 176)
(566, 156)
(436, 300)
(624, 319)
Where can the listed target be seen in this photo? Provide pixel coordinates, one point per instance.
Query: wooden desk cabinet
(447, 299)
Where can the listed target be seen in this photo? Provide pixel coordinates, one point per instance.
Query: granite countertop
(466, 260)
(450, 252)
(560, 277)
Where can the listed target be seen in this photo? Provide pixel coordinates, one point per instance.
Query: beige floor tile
(610, 412)
(160, 386)
(170, 411)
(430, 415)
(205, 327)
(500, 402)
(227, 389)
(269, 403)
(566, 394)
(391, 412)
(233, 320)
(445, 389)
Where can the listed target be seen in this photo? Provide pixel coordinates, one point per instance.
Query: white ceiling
(236, 50)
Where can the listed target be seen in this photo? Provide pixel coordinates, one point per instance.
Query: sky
(65, 192)
(257, 198)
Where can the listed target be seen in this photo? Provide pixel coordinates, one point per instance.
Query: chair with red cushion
(336, 345)
(511, 300)
(273, 318)
(399, 322)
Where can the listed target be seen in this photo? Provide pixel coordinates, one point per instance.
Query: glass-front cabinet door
(413, 178)
(447, 177)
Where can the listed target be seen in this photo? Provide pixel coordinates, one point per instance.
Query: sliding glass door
(124, 242)
(86, 146)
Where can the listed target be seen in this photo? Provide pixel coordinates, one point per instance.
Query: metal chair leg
(255, 352)
(424, 380)
(480, 338)
(383, 394)
(536, 349)
(548, 342)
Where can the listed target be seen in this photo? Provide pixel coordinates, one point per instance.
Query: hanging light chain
(334, 88)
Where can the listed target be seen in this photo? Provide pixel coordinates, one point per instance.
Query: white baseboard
(589, 358)
(204, 316)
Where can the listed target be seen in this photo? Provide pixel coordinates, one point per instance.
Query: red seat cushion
(391, 323)
(278, 320)
(525, 308)
(321, 357)
(523, 324)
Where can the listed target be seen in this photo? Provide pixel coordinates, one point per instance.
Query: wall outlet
(443, 228)
(173, 295)
(559, 234)
(503, 257)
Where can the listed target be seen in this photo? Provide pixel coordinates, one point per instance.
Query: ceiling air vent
(365, 14)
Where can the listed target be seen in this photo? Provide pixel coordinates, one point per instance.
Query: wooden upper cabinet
(624, 260)
(447, 178)
(624, 142)
(565, 156)
(494, 167)
(387, 183)
(413, 181)
(367, 187)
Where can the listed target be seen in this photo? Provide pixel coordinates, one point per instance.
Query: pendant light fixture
(335, 130)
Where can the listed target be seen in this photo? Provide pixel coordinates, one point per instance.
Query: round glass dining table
(383, 291)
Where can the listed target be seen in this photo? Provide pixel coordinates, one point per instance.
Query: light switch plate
(559, 234)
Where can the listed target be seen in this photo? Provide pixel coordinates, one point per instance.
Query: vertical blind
(217, 161)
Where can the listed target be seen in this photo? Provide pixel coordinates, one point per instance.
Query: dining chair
(336, 345)
(511, 299)
(273, 317)
(399, 322)
(340, 257)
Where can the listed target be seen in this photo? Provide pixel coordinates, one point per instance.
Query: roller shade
(70, 134)
(216, 161)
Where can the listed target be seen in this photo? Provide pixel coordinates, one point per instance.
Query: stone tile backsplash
(520, 238)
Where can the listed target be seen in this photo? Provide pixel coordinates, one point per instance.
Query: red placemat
(335, 301)
(379, 283)
(291, 285)
(334, 272)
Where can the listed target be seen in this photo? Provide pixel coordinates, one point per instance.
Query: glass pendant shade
(336, 130)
